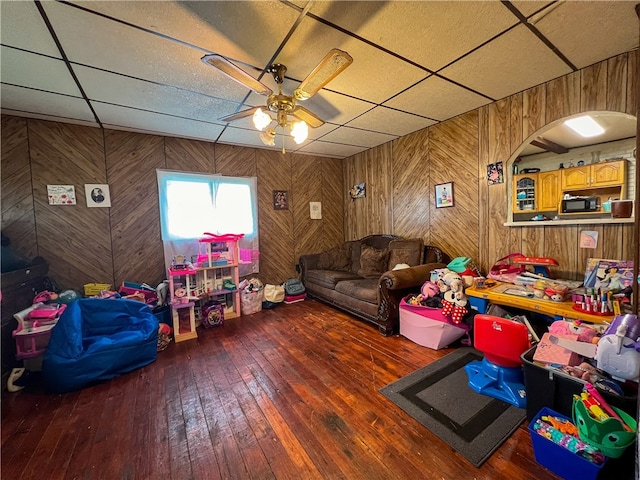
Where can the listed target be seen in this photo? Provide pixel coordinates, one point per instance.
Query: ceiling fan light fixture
(236, 73)
(585, 126)
(330, 67)
(299, 131)
(261, 119)
(268, 137)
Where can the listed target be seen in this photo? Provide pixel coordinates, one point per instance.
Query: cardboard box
(428, 327)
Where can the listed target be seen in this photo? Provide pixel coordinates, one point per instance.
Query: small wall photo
(97, 195)
(444, 195)
(280, 200)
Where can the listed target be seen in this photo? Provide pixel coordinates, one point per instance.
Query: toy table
(480, 298)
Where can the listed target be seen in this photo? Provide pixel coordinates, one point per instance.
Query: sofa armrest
(308, 262)
(408, 277)
(393, 286)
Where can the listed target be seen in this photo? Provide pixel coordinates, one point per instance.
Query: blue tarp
(97, 339)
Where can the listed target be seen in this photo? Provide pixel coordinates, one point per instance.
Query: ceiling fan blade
(310, 118)
(236, 73)
(331, 65)
(239, 115)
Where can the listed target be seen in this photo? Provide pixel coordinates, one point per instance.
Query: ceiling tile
(21, 26)
(246, 31)
(429, 33)
(51, 118)
(529, 7)
(366, 78)
(58, 106)
(437, 98)
(355, 136)
(127, 91)
(511, 63)
(244, 136)
(393, 122)
(113, 115)
(588, 32)
(334, 107)
(331, 149)
(147, 56)
(26, 69)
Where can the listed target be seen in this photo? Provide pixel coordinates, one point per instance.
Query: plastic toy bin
(428, 326)
(547, 387)
(558, 459)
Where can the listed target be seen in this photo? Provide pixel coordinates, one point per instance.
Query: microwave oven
(580, 204)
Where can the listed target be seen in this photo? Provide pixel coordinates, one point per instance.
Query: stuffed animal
(455, 301)
(429, 289)
(445, 277)
(415, 299)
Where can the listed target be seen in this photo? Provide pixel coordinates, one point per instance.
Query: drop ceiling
(135, 65)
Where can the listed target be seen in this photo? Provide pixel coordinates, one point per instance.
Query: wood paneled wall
(123, 242)
(110, 245)
(401, 175)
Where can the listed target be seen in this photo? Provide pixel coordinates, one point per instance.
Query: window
(192, 203)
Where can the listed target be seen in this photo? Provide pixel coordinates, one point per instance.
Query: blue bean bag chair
(97, 339)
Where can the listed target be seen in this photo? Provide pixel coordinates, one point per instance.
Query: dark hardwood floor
(287, 393)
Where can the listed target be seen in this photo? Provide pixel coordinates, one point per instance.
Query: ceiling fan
(283, 105)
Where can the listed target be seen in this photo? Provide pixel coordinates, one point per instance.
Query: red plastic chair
(499, 374)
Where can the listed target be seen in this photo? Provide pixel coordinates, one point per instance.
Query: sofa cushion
(373, 261)
(328, 278)
(365, 289)
(337, 258)
(405, 251)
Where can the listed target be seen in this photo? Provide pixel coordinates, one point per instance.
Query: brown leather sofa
(358, 276)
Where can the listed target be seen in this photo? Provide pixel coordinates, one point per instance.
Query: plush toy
(415, 299)
(445, 277)
(429, 289)
(455, 301)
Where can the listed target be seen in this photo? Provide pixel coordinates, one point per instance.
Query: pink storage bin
(428, 327)
(31, 342)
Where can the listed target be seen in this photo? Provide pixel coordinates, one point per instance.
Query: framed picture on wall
(97, 195)
(280, 200)
(444, 195)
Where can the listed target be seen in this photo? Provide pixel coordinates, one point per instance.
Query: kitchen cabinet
(549, 191)
(597, 175)
(525, 192)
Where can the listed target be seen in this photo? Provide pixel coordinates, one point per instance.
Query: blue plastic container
(559, 460)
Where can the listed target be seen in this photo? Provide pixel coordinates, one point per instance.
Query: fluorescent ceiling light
(585, 126)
